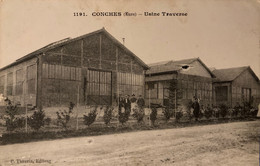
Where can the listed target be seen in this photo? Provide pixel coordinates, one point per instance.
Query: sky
(222, 33)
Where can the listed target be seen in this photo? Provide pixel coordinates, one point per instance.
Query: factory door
(221, 95)
(98, 87)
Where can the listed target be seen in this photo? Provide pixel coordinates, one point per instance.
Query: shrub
(208, 112)
(216, 111)
(12, 124)
(179, 115)
(223, 110)
(36, 121)
(236, 110)
(108, 115)
(138, 114)
(168, 113)
(153, 115)
(189, 112)
(10, 121)
(245, 110)
(47, 121)
(63, 117)
(253, 112)
(123, 116)
(20, 122)
(91, 117)
(247, 107)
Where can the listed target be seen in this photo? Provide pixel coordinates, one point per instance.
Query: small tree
(174, 94)
(11, 122)
(223, 110)
(236, 110)
(179, 115)
(47, 121)
(108, 115)
(123, 116)
(91, 117)
(138, 114)
(168, 113)
(246, 109)
(208, 112)
(36, 121)
(63, 117)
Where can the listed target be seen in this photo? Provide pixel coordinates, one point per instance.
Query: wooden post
(26, 128)
(149, 98)
(117, 85)
(175, 92)
(149, 106)
(77, 121)
(131, 77)
(100, 49)
(81, 52)
(117, 88)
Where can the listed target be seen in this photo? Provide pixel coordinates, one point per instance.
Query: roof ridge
(61, 43)
(168, 61)
(159, 63)
(233, 68)
(186, 59)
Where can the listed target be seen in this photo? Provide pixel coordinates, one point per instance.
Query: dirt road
(222, 144)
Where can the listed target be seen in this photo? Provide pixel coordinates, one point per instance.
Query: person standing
(133, 99)
(196, 109)
(127, 104)
(133, 102)
(140, 102)
(120, 103)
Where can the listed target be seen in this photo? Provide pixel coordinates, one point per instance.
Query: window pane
(44, 71)
(72, 73)
(10, 84)
(2, 84)
(19, 82)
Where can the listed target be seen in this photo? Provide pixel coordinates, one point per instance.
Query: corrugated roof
(230, 74)
(167, 66)
(171, 66)
(69, 40)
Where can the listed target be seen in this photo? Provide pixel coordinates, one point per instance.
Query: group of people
(127, 103)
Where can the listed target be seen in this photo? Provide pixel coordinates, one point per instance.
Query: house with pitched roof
(181, 81)
(92, 69)
(235, 86)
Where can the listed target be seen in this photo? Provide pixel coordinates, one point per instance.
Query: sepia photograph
(130, 82)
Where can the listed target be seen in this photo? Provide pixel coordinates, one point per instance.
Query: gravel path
(223, 144)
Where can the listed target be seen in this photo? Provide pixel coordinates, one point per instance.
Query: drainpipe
(36, 79)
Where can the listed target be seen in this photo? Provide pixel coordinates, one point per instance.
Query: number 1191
(79, 14)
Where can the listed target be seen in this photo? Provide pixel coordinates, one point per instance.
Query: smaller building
(179, 81)
(236, 86)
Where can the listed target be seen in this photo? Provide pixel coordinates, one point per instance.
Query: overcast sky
(223, 33)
